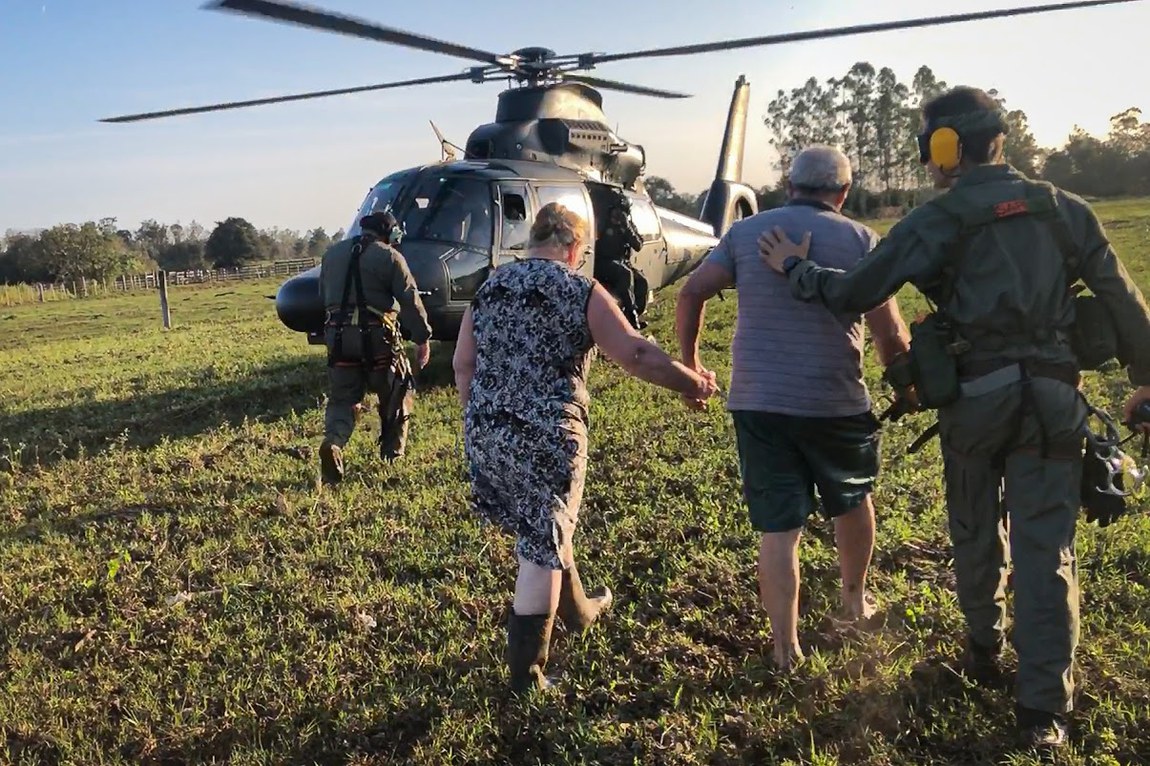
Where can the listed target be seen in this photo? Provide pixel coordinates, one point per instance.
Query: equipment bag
(933, 366)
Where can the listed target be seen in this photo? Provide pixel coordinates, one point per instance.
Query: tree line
(874, 118)
(102, 250)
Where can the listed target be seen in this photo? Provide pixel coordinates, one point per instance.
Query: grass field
(174, 588)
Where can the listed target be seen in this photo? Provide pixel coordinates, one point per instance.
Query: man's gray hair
(820, 168)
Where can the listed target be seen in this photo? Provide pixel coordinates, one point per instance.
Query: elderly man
(801, 411)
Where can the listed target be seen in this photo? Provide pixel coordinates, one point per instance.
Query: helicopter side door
(652, 259)
(515, 215)
(575, 198)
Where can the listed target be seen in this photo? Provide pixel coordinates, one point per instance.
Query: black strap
(354, 275)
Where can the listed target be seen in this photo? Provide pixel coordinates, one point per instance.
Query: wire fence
(84, 287)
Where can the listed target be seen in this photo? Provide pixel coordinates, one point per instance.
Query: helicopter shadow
(46, 435)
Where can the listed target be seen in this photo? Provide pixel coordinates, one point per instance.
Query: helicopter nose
(299, 304)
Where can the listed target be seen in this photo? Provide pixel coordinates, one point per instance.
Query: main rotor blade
(279, 99)
(315, 18)
(817, 34)
(596, 82)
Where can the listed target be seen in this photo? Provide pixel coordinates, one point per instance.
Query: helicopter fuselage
(463, 219)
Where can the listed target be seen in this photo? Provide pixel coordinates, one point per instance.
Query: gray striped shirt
(788, 356)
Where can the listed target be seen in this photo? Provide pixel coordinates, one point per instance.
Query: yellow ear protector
(941, 142)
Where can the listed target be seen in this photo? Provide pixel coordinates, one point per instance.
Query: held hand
(707, 386)
(775, 248)
(422, 354)
(1140, 395)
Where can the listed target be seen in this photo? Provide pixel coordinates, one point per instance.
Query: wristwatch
(790, 262)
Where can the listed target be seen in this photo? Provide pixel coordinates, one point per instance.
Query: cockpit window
(381, 195)
(451, 209)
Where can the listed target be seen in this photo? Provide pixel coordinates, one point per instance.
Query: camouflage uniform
(1012, 447)
(386, 280)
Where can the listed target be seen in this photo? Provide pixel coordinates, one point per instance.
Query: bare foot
(858, 614)
(788, 660)
(858, 608)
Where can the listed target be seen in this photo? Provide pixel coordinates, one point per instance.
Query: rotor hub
(534, 54)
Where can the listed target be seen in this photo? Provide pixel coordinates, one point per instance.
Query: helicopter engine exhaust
(729, 199)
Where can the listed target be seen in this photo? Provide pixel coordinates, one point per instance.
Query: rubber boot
(528, 645)
(330, 463)
(576, 609)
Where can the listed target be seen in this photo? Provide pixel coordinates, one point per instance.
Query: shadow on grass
(47, 435)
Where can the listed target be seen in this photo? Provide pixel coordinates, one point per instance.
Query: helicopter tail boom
(729, 199)
(730, 166)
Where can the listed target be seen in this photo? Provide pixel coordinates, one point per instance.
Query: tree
(153, 238)
(233, 243)
(317, 243)
(1021, 150)
(21, 261)
(805, 116)
(663, 194)
(858, 104)
(186, 255)
(70, 252)
(889, 128)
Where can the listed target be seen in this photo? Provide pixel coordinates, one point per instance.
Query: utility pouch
(354, 344)
(1093, 338)
(932, 363)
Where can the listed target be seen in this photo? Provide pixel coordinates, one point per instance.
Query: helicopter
(463, 217)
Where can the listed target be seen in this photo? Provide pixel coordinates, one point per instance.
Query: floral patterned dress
(526, 420)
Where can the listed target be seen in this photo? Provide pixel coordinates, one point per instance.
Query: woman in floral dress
(521, 364)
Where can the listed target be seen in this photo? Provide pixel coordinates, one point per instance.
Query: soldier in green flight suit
(361, 279)
(1000, 359)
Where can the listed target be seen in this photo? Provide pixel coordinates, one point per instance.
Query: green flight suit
(386, 281)
(1011, 461)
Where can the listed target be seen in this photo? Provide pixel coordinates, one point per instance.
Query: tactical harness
(376, 345)
(934, 367)
(357, 349)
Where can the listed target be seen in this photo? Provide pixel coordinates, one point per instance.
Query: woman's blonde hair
(558, 225)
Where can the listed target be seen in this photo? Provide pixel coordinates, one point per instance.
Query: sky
(64, 64)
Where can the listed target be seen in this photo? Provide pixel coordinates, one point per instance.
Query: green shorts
(784, 458)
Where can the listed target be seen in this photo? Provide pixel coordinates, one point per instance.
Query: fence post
(163, 283)
(40, 292)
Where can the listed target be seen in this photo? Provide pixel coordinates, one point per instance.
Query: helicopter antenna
(446, 148)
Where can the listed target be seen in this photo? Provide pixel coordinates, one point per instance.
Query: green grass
(174, 588)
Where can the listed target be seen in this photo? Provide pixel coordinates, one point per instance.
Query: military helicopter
(550, 141)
